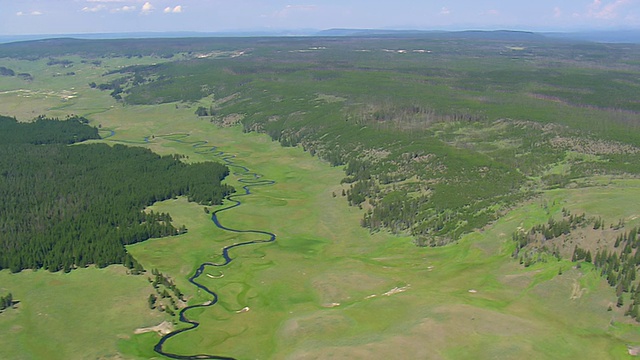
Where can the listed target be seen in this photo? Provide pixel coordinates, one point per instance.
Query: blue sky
(98, 16)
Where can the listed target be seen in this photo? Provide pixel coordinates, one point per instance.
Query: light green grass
(80, 315)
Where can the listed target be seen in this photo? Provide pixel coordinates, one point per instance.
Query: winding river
(248, 179)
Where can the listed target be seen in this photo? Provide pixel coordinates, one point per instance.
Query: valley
(393, 186)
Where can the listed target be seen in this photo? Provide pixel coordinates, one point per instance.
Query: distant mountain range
(620, 36)
(430, 33)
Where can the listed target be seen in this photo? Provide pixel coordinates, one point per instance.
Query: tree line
(70, 206)
(46, 131)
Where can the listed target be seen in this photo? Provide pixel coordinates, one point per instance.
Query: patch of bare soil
(576, 290)
(162, 329)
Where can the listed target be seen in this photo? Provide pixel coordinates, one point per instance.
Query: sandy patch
(396, 290)
(163, 328)
(576, 290)
(332, 305)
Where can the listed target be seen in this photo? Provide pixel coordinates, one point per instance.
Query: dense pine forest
(70, 206)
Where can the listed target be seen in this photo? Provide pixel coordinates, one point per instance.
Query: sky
(22, 17)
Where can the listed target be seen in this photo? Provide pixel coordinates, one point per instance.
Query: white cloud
(124, 9)
(557, 12)
(291, 9)
(33, 13)
(445, 11)
(96, 8)
(147, 8)
(609, 11)
(105, 1)
(169, 9)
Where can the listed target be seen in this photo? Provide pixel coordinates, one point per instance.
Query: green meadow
(327, 288)
(80, 315)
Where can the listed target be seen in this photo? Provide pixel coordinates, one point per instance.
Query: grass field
(327, 288)
(80, 315)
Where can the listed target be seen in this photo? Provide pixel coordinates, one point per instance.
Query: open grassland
(327, 288)
(80, 315)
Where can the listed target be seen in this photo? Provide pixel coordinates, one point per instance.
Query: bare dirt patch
(396, 290)
(163, 328)
(576, 290)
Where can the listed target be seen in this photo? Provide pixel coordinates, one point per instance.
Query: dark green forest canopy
(46, 131)
(69, 206)
(6, 71)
